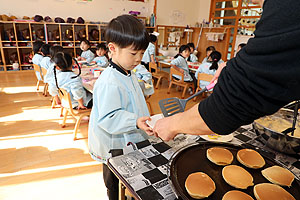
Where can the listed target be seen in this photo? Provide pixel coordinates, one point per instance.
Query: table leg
(121, 191)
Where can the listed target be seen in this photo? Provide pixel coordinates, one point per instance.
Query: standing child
(210, 67)
(72, 83)
(45, 62)
(119, 112)
(149, 55)
(192, 58)
(101, 59)
(179, 62)
(37, 58)
(86, 55)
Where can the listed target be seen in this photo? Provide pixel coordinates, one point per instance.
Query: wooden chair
(77, 114)
(202, 77)
(181, 82)
(37, 68)
(44, 72)
(159, 75)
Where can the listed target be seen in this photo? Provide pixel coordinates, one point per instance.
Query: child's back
(182, 63)
(101, 61)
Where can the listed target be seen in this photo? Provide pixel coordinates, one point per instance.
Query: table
(142, 167)
(88, 79)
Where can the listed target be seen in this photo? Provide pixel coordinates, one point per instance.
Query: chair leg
(38, 85)
(53, 103)
(77, 126)
(45, 89)
(62, 112)
(63, 125)
(158, 81)
(170, 85)
(196, 92)
(150, 107)
(184, 90)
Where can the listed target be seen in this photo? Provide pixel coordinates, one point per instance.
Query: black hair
(85, 41)
(37, 46)
(126, 30)
(45, 49)
(152, 38)
(210, 48)
(215, 57)
(64, 62)
(191, 45)
(101, 46)
(182, 48)
(241, 45)
(54, 50)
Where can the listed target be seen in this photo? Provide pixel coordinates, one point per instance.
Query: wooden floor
(39, 159)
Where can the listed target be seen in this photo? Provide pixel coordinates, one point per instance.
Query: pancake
(199, 185)
(219, 156)
(250, 158)
(269, 191)
(278, 175)
(237, 176)
(236, 195)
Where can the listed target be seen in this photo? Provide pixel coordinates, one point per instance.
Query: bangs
(127, 31)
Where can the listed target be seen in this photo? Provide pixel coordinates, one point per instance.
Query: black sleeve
(265, 74)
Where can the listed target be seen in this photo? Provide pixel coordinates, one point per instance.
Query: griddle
(192, 158)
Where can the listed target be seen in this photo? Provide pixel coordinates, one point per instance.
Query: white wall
(96, 10)
(182, 12)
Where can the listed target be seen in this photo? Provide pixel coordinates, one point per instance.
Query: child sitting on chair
(144, 79)
(69, 81)
(37, 58)
(86, 55)
(101, 59)
(45, 62)
(209, 67)
(179, 62)
(192, 58)
(208, 52)
(120, 111)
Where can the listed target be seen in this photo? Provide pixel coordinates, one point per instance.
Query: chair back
(153, 66)
(44, 72)
(205, 77)
(37, 68)
(174, 71)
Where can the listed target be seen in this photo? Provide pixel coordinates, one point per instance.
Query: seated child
(72, 83)
(208, 51)
(144, 79)
(49, 78)
(86, 55)
(45, 62)
(210, 67)
(119, 110)
(192, 58)
(37, 58)
(179, 62)
(149, 55)
(101, 59)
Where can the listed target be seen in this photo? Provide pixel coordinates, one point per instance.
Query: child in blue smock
(45, 62)
(119, 110)
(86, 55)
(149, 55)
(192, 58)
(101, 59)
(179, 62)
(208, 52)
(49, 78)
(144, 79)
(72, 83)
(37, 58)
(210, 67)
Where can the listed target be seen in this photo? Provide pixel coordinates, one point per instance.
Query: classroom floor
(39, 159)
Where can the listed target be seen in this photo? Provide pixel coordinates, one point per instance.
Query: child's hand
(79, 58)
(141, 123)
(81, 107)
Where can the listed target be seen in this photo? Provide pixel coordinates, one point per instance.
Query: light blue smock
(46, 62)
(204, 68)
(193, 58)
(143, 76)
(36, 59)
(49, 77)
(182, 63)
(118, 102)
(205, 61)
(101, 61)
(88, 55)
(73, 86)
(147, 54)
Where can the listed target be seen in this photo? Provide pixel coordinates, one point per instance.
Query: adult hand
(141, 123)
(164, 128)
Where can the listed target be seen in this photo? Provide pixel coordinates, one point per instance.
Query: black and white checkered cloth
(143, 166)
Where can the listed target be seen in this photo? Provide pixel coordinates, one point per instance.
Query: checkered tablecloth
(143, 166)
